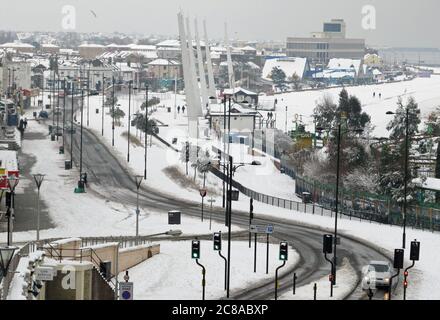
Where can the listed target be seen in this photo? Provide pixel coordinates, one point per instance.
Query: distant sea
(422, 56)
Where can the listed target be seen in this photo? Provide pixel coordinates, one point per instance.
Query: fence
(417, 216)
(5, 282)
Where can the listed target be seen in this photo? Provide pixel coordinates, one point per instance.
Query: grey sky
(407, 23)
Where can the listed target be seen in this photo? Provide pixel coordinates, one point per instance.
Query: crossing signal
(283, 251)
(195, 249)
(414, 252)
(398, 258)
(327, 243)
(217, 241)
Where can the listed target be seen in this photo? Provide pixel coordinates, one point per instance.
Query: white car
(378, 274)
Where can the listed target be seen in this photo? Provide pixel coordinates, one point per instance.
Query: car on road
(43, 114)
(378, 275)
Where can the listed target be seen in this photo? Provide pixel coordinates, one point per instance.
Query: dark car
(43, 114)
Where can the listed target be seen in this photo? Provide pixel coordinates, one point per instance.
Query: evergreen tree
(278, 76)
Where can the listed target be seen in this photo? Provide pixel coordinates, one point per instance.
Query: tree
(397, 126)
(351, 108)
(325, 111)
(151, 102)
(434, 129)
(117, 114)
(278, 76)
(296, 80)
(139, 122)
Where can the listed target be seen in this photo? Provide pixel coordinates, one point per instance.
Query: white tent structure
(201, 67)
(211, 83)
(231, 75)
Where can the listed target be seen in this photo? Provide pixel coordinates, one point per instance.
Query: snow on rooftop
(16, 45)
(90, 45)
(290, 66)
(163, 62)
(238, 89)
(345, 64)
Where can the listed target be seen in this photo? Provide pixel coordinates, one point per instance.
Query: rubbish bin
(169, 109)
(97, 110)
(174, 217)
(61, 150)
(67, 165)
(52, 137)
(34, 114)
(81, 185)
(50, 128)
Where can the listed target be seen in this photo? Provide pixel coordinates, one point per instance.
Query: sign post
(211, 201)
(126, 290)
(261, 229)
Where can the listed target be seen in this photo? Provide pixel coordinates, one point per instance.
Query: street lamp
(231, 170)
(407, 114)
(12, 184)
(146, 130)
(38, 181)
(6, 255)
(138, 180)
(129, 119)
(339, 133)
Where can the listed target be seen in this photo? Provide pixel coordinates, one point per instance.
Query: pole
(336, 206)
(255, 252)
(226, 267)
(203, 281)
(9, 226)
(137, 212)
(146, 125)
(64, 113)
(71, 127)
(88, 95)
(267, 253)
(391, 283)
(406, 179)
(129, 111)
(58, 107)
(229, 208)
(315, 288)
(250, 219)
(202, 207)
(276, 279)
(113, 112)
(224, 147)
(103, 102)
(38, 215)
(81, 134)
(405, 276)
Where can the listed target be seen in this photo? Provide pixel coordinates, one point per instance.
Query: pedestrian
(380, 95)
(178, 109)
(183, 109)
(85, 178)
(374, 94)
(25, 123)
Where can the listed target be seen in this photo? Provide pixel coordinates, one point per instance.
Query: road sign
(44, 273)
(126, 290)
(268, 229)
(202, 193)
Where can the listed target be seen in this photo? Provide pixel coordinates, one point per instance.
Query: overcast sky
(407, 23)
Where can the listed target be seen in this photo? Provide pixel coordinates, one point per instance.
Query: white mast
(229, 58)
(192, 59)
(202, 76)
(211, 90)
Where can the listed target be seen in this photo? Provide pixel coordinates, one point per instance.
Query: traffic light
(195, 249)
(217, 241)
(251, 209)
(283, 251)
(398, 258)
(405, 281)
(187, 152)
(327, 243)
(414, 252)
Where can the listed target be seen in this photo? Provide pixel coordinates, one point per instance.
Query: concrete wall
(130, 257)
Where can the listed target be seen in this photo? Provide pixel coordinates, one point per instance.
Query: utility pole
(146, 130)
(103, 102)
(113, 113)
(71, 126)
(129, 120)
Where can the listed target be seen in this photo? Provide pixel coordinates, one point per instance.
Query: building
(290, 66)
(164, 69)
(50, 48)
(240, 95)
(323, 46)
(90, 51)
(18, 47)
(16, 75)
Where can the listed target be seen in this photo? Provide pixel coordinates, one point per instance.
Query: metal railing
(416, 219)
(5, 282)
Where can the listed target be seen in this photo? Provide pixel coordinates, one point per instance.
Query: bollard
(315, 287)
(294, 283)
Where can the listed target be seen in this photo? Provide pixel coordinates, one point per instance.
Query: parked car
(43, 114)
(378, 275)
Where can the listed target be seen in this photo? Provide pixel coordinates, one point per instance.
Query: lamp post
(129, 120)
(113, 112)
(339, 137)
(71, 125)
(146, 130)
(405, 183)
(81, 134)
(64, 112)
(38, 181)
(103, 102)
(12, 184)
(6, 255)
(138, 180)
